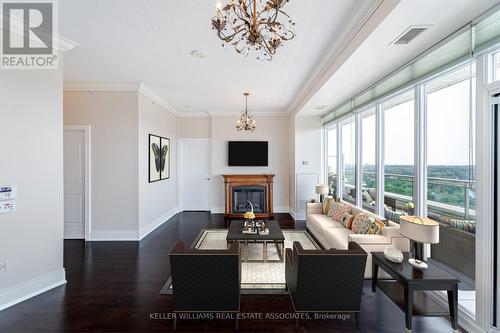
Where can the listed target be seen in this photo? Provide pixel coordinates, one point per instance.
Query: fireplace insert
(244, 194)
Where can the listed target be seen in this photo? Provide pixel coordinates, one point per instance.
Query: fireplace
(241, 189)
(244, 195)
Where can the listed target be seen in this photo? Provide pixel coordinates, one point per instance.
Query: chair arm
(289, 257)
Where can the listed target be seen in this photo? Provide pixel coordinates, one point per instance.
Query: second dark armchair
(326, 280)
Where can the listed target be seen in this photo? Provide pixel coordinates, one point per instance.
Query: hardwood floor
(113, 287)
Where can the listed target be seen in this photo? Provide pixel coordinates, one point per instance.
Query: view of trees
(441, 188)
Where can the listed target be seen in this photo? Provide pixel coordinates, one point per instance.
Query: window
(399, 168)
(332, 160)
(349, 161)
(368, 172)
(496, 66)
(451, 174)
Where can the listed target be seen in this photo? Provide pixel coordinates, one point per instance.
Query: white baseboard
(217, 210)
(21, 292)
(464, 321)
(143, 232)
(284, 209)
(114, 235)
(297, 215)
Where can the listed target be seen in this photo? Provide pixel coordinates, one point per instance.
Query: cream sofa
(332, 234)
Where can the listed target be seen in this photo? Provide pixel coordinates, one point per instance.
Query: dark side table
(407, 288)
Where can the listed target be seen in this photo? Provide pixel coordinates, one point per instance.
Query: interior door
(74, 184)
(196, 170)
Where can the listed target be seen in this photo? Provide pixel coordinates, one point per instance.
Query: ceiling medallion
(246, 122)
(254, 25)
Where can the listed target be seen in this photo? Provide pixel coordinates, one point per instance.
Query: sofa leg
(296, 324)
(175, 323)
(236, 324)
(356, 319)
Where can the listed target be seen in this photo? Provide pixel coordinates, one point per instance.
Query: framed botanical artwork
(159, 158)
(165, 161)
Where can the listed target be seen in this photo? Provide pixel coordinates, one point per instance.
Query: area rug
(256, 277)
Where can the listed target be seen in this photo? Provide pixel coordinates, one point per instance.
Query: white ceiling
(375, 58)
(150, 41)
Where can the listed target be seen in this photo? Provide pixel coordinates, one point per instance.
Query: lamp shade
(419, 229)
(322, 189)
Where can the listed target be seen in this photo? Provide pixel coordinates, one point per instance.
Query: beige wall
(195, 127)
(272, 129)
(31, 238)
(158, 200)
(113, 119)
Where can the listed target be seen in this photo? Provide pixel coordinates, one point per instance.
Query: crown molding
(255, 114)
(149, 93)
(358, 26)
(101, 86)
(139, 87)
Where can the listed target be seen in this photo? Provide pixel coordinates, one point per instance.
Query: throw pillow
(367, 225)
(326, 204)
(338, 210)
(347, 220)
(468, 226)
(366, 196)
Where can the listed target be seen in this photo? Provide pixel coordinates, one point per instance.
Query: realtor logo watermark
(28, 30)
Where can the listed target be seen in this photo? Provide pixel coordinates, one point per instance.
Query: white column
(379, 160)
(358, 159)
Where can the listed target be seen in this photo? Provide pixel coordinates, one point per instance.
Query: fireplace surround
(239, 189)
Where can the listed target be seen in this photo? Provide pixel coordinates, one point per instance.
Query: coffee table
(275, 236)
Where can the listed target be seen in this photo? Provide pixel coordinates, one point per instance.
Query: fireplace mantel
(233, 181)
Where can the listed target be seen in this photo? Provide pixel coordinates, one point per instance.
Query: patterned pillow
(338, 210)
(367, 225)
(326, 204)
(469, 226)
(347, 220)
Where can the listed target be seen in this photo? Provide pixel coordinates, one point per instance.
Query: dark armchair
(325, 280)
(205, 280)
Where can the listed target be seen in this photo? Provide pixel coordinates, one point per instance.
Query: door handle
(207, 178)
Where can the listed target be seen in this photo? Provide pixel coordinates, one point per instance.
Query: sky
(447, 131)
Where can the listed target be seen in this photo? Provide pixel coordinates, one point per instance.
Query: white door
(74, 184)
(196, 168)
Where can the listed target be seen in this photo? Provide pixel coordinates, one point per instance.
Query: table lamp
(322, 190)
(420, 230)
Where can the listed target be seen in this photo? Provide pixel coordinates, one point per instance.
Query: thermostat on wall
(7, 198)
(8, 192)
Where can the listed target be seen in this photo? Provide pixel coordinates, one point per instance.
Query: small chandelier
(254, 25)
(246, 122)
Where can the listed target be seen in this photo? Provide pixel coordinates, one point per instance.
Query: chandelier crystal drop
(246, 122)
(254, 25)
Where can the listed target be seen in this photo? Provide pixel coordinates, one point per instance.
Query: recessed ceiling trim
(341, 49)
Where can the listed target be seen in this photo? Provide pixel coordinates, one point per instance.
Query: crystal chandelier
(246, 122)
(254, 25)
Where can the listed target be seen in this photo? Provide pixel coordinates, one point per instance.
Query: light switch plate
(7, 206)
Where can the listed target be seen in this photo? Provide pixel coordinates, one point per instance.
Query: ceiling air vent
(409, 34)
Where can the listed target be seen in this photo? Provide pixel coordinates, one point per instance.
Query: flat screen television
(247, 153)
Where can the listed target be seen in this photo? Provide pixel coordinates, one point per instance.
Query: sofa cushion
(347, 220)
(337, 238)
(338, 210)
(320, 221)
(367, 225)
(326, 204)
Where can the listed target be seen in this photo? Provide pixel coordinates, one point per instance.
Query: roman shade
(477, 37)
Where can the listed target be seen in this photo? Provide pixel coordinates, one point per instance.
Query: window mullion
(358, 159)
(379, 160)
(340, 172)
(420, 149)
